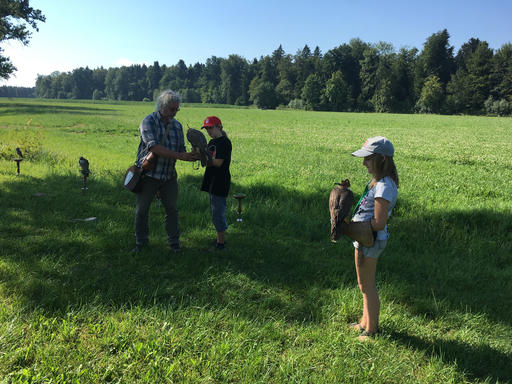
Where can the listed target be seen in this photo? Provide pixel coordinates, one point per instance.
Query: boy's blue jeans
(218, 212)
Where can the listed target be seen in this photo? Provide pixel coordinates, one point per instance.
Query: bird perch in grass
(239, 197)
(84, 164)
(18, 160)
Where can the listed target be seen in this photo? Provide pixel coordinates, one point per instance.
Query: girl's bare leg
(366, 267)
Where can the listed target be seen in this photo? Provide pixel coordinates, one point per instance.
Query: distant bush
(498, 107)
(240, 101)
(297, 104)
(97, 95)
(29, 141)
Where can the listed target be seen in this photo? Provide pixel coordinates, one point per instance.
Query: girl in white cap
(375, 206)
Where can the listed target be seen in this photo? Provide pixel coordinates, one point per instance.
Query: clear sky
(112, 33)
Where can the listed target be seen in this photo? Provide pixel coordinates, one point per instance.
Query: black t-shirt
(217, 179)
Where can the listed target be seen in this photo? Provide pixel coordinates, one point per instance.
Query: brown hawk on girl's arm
(340, 205)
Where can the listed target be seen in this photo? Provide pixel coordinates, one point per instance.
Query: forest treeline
(357, 76)
(10, 91)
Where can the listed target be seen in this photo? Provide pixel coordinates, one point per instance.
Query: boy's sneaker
(175, 247)
(214, 242)
(218, 247)
(138, 248)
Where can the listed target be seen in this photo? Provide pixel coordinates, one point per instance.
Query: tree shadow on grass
(22, 109)
(282, 242)
(280, 262)
(57, 263)
(452, 261)
(480, 362)
(443, 265)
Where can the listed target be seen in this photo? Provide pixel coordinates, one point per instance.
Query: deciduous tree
(312, 92)
(337, 92)
(263, 94)
(436, 59)
(19, 10)
(502, 73)
(431, 98)
(233, 71)
(479, 68)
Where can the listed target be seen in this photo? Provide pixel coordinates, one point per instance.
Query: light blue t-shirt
(385, 188)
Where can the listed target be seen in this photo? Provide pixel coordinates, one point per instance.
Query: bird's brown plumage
(340, 204)
(198, 141)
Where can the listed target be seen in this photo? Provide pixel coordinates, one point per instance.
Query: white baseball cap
(377, 144)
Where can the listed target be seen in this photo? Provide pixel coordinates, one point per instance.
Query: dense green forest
(10, 91)
(357, 76)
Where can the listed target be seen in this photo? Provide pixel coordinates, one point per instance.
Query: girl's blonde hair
(383, 168)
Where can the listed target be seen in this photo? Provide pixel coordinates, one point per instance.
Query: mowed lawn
(76, 307)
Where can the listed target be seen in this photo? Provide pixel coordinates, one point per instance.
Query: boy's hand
(188, 156)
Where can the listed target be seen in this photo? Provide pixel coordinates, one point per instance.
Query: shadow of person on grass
(283, 242)
(62, 263)
(280, 258)
(480, 362)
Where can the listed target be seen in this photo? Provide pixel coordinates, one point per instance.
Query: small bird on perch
(18, 151)
(84, 163)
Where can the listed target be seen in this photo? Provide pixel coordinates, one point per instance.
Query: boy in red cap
(217, 178)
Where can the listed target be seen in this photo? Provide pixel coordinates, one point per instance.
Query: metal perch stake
(18, 160)
(86, 175)
(239, 197)
(84, 164)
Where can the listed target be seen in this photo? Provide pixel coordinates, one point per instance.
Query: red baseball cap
(211, 121)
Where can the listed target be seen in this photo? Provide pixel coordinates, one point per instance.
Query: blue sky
(111, 33)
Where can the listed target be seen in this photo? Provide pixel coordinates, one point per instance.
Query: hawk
(198, 141)
(340, 204)
(84, 163)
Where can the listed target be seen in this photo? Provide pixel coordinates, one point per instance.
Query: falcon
(84, 163)
(198, 141)
(340, 204)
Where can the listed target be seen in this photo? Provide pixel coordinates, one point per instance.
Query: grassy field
(75, 307)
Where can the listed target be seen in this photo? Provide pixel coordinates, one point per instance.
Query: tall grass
(76, 307)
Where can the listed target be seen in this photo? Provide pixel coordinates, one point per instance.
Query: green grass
(274, 308)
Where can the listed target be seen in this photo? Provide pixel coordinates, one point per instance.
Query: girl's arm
(381, 214)
(216, 162)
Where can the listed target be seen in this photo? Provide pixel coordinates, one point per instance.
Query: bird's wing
(198, 141)
(340, 204)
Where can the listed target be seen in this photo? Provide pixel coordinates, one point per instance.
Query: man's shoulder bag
(133, 176)
(133, 179)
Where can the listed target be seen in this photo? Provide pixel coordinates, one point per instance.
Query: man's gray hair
(165, 98)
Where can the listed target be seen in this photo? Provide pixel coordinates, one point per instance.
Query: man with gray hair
(161, 144)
